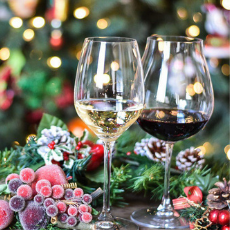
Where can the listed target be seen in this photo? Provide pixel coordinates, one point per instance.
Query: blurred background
(40, 45)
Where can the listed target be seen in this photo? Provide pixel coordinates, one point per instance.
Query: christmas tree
(40, 45)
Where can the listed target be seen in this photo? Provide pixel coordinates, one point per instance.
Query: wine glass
(178, 104)
(109, 97)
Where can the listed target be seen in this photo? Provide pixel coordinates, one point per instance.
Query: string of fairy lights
(82, 12)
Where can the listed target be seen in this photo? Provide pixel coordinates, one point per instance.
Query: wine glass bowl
(109, 97)
(178, 104)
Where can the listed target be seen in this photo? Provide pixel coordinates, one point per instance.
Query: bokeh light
(197, 17)
(198, 88)
(214, 62)
(54, 62)
(228, 154)
(4, 53)
(226, 148)
(190, 90)
(202, 150)
(102, 23)
(101, 79)
(16, 22)
(38, 22)
(182, 13)
(28, 35)
(81, 12)
(225, 69)
(226, 4)
(192, 31)
(114, 66)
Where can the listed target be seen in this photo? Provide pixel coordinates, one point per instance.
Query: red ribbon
(194, 196)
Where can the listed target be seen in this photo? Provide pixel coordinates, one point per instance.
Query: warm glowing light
(102, 23)
(114, 66)
(226, 148)
(214, 62)
(78, 55)
(182, 13)
(198, 88)
(208, 146)
(28, 35)
(101, 79)
(81, 12)
(38, 22)
(197, 17)
(16, 22)
(190, 90)
(202, 150)
(56, 34)
(228, 154)
(225, 69)
(193, 31)
(161, 45)
(226, 4)
(54, 62)
(4, 53)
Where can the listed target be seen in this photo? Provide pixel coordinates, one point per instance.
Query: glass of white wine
(109, 97)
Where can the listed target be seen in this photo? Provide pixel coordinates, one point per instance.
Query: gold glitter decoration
(69, 185)
(54, 220)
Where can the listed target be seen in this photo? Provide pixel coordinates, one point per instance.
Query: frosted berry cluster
(69, 206)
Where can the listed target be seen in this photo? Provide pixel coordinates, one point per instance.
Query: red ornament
(213, 216)
(97, 152)
(89, 143)
(225, 227)
(224, 217)
(66, 156)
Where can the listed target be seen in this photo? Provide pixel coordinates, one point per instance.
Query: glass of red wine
(178, 104)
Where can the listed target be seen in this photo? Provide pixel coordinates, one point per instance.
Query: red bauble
(224, 217)
(225, 227)
(213, 216)
(97, 152)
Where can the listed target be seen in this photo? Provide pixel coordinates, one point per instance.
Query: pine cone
(153, 148)
(189, 158)
(219, 198)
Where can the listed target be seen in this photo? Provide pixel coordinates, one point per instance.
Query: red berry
(83, 208)
(71, 221)
(11, 176)
(51, 146)
(46, 191)
(213, 216)
(56, 162)
(27, 175)
(225, 227)
(25, 191)
(79, 144)
(57, 191)
(72, 211)
(78, 192)
(52, 210)
(80, 156)
(90, 209)
(128, 153)
(63, 217)
(224, 217)
(78, 148)
(65, 156)
(87, 199)
(61, 207)
(52, 142)
(48, 202)
(42, 183)
(86, 217)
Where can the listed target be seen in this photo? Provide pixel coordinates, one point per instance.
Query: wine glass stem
(165, 208)
(108, 150)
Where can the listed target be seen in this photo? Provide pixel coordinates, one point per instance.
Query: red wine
(172, 124)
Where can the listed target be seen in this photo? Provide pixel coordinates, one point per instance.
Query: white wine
(108, 118)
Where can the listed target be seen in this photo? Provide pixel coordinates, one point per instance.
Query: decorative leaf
(97, 175)
(47, 121)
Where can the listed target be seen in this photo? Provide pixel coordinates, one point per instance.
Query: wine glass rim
(110, 39)
(173, 38)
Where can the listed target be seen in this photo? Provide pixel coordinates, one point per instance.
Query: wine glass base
(117, 224)
(149, 218)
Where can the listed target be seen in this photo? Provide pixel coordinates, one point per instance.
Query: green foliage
(193, 213)
(47, 121)
(117, 188)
